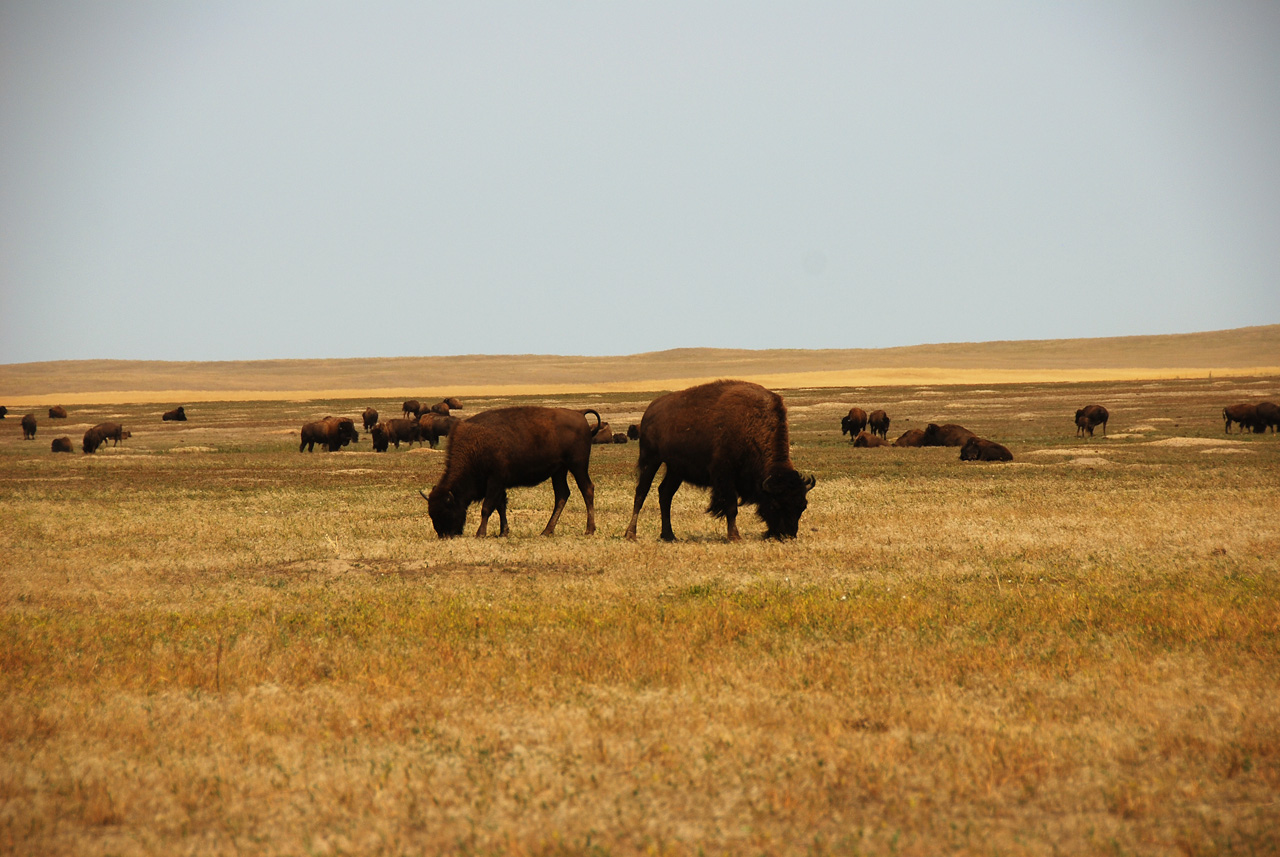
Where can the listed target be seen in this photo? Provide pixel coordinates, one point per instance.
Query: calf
(866, 438)
(981, 449)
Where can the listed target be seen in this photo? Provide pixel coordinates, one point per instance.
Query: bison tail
(599, 422)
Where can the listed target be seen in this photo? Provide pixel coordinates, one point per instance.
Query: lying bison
(604, 435)
(508, 448)
(101, 433)
(981, 449)
(29, 427)
(731, 437)
(178, 414)
(57, 412)
(412, 406)
(910, 437)
(853, 422)
(949, 434)
(867, 439)
(1244, 415)
(453, 403)
(370, 418)
(619, 437)
(332, 433)
(1090, 417)
(61, 444)
(879, 423)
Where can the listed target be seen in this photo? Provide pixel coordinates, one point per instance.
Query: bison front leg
(666, 490)
(495, 498)
(560, 485)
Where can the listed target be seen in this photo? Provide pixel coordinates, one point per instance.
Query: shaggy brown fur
(1090, 417)
(853, 422)
(981, 449)
(332, 433)
(949, 434)
(879, 423)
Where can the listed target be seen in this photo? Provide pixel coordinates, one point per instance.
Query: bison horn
(424, 494)
(809, 482)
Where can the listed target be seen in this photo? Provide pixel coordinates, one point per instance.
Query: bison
(981, 449)
(731, 437)
(432, 427)
(910, 437)
(866, 438)
(1245, 415)
(178, 414)
(441, 408)
(402, 431)
(380, 437)
(511, 447)
(101, 433)
(879, 423)
(57, 412)
(1090, 417)
(604, 435)
(332, 433)
(853, 422)
(29, 427)
(61, 444)
(453, 403)
(949, 434)
(633, 432)
(413, 406)
(3, 411)
(370, 417)
(619, 437)
(1268, 416)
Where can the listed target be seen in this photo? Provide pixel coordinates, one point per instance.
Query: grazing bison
(506, 448)
(29, 427)
(868, 439)
(432, 427)
(413, 406)
(731, 437)
(57, 412)
(453, 403)
(1090, 417)
(370, 417)
(853, 422)
(1245, 415)
(879, 423)
(61, 444)
(332, 433)
(101, 433)
(981, 449)
(633, 432)
(1268, 416)
(402, 431)
(178, 414)
(949, 434)
(910, 437)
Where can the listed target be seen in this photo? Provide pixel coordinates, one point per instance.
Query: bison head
(783, 499)
(971, 451)
(448, 513)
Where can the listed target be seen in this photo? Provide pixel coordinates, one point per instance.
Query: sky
(250, 179)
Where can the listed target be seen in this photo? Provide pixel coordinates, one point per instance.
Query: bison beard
(511, 447)
(731, 437)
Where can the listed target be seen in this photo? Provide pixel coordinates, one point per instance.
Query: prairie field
(214, 644)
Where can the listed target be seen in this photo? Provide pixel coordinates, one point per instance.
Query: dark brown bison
(949, 434)
(402, 431)
(910, 437)
(370, 418)
(1268, 416)
(853, 422)
(57, 412)
(604, 435)
(868, 439)
(731, 437)
(441, 408)
(413, 406)
(61, 444)
(1090, 417)
(879, 423)
(101, 433)
(332, 433)
(619, 437)
(29, 427)
(507, 448)
(1244, 415)
(633, 432)
(981, 449)
(3, 411)
(380, 437)
(432, 427)
(178, 414)
(453, 403)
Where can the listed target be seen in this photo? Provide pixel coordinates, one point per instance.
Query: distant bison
(507, 448)
(853, 422)
(57, 412)
(1244, 415)
(61, 444)
(432, 427)
(731, 437)
(178, 414)
(3, 411)
(910, 437)
(453, 403)
(332, 433)
(619, 437)
(879, 423)
(1090, 417)
(441, 408)
(604, 435)
(370, 418)
(981, 449)
(413, 406)
(402, 431)
(633, 432)
(1268, 416)
(380, 437)
(101, 433)
(866, 438)
(949, 434)
(29, 427)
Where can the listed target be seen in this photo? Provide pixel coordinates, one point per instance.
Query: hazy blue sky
(243, 180)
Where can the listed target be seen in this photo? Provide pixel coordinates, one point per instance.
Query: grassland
(213, 644)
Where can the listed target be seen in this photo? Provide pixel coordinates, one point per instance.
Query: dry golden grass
(213, 644)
